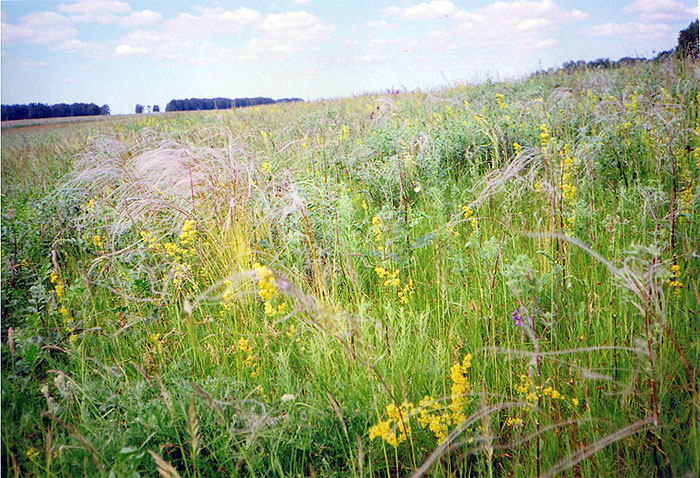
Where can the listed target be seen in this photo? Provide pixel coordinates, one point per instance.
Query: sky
(122, 53)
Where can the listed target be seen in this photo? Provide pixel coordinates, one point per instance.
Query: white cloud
(629, 29)
(162, 46)
(656, 24)
(423, 11)
(39, 27)
(212, 21)
(130, 50)
(33, 64)
(83, 7)
(292, 21)
(290, 32)
(381, 25)
(73, 45)
(141, 18)
(524, 25)
(301, 2)
(533, 24)
(544, 43)
(661, 11)
(90, 11)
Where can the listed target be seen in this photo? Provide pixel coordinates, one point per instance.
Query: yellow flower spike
(544, 136)
(500, 101)
(155, 338)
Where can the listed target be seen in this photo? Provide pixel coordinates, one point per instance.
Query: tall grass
(490, 280)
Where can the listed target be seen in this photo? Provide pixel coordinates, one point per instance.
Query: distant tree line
(195, 104)
(41, 110)
(139, 109)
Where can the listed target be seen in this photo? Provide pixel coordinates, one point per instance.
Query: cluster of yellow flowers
(673, 281)
(188, 232)
(151, 242)
(60, 290)
(513, 421)
(568, 188)
(227, 298)
(90, 205)
(500, 101)
(551, 393)
(391, 279)
(267, 289)
(686, 197)
(544, 136)
(32, 453)
(406, 291)
(396, 428)
(98, 242)
(532, 392)
(376, 230)
(157, 342)
(459, 389)
(249, 360)
(467, 212)
(397, 420)
(181, 254)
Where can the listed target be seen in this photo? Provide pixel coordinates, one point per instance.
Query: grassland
(483, 280)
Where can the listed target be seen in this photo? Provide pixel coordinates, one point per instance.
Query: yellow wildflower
(32, 453)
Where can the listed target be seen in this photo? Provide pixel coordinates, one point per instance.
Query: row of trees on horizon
(195, 104)
(60, 110)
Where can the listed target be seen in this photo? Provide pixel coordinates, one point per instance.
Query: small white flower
(287, 397)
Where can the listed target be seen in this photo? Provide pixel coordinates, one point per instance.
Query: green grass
(390, 236)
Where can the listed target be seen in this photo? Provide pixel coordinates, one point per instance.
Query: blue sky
(127, 52)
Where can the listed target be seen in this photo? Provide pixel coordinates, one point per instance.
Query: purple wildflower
(516, 317)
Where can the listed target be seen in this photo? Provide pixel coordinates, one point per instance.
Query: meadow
(480, 280)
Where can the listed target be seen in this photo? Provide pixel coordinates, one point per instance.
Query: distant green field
(483, 280)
